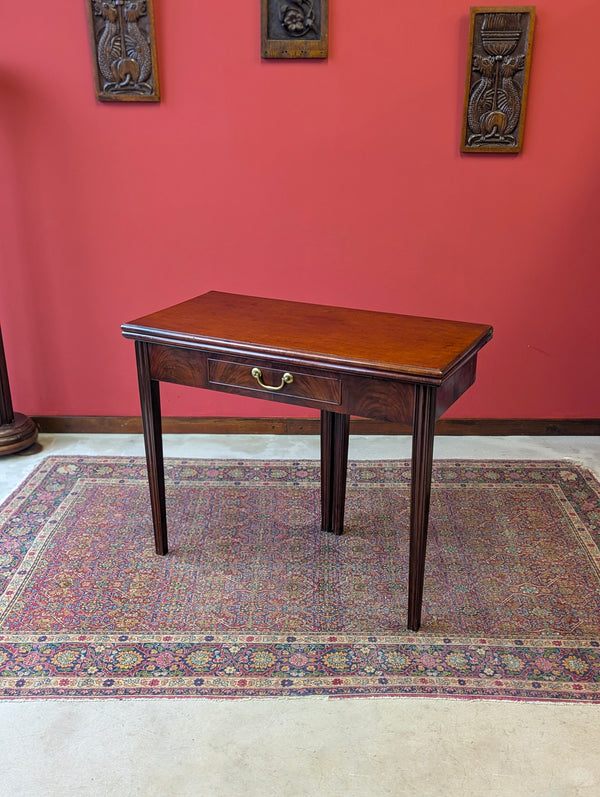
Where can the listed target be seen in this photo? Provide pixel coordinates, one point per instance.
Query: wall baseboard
(96, 424)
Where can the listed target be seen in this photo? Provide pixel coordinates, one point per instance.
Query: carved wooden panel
(294, 28)
(124, 50)
(497, 82)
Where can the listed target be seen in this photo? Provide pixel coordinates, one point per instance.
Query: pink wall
(334, 182)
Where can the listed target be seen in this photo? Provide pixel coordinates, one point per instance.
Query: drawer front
(364, 396)
(239, 377)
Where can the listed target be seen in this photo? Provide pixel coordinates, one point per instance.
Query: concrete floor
(298, 746)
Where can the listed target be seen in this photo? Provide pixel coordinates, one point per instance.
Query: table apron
(366, 396)
(455, 385)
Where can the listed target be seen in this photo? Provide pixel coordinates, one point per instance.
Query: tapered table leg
(151, 419)
(326, 456)
(420, 494)
(335, 430)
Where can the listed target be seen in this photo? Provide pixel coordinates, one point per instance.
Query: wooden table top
(363, 339)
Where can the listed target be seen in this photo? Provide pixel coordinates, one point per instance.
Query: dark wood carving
(497, 82)
(294, 28)
(124, 50)
(17, 431)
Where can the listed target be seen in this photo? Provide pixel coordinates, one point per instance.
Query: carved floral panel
(294, 28)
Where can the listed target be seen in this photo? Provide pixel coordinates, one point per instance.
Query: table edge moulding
(341, 361)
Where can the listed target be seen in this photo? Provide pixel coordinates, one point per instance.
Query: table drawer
(271, 381)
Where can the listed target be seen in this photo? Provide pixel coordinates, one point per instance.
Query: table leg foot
(335, 430)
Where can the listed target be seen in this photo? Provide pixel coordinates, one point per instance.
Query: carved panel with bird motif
(124, 50)
(497, 78)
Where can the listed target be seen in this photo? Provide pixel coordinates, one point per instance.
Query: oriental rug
(255, 600)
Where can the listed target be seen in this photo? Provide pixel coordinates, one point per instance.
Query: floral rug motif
(254, 599)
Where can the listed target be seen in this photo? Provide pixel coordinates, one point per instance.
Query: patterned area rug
(254, 600)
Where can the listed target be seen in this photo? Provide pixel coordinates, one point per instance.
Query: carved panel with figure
(124, 50)
(497, 82)
(294, 28)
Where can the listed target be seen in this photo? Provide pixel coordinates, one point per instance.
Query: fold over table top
(364, 340)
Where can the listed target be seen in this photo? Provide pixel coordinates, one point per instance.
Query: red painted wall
(333, 182)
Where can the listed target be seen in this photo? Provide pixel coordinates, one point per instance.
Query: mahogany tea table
(343, 362)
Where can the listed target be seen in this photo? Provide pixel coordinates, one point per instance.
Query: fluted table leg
(420, 493)
(335, 430)
(151, 420)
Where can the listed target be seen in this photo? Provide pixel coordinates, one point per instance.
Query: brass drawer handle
(286, 379)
